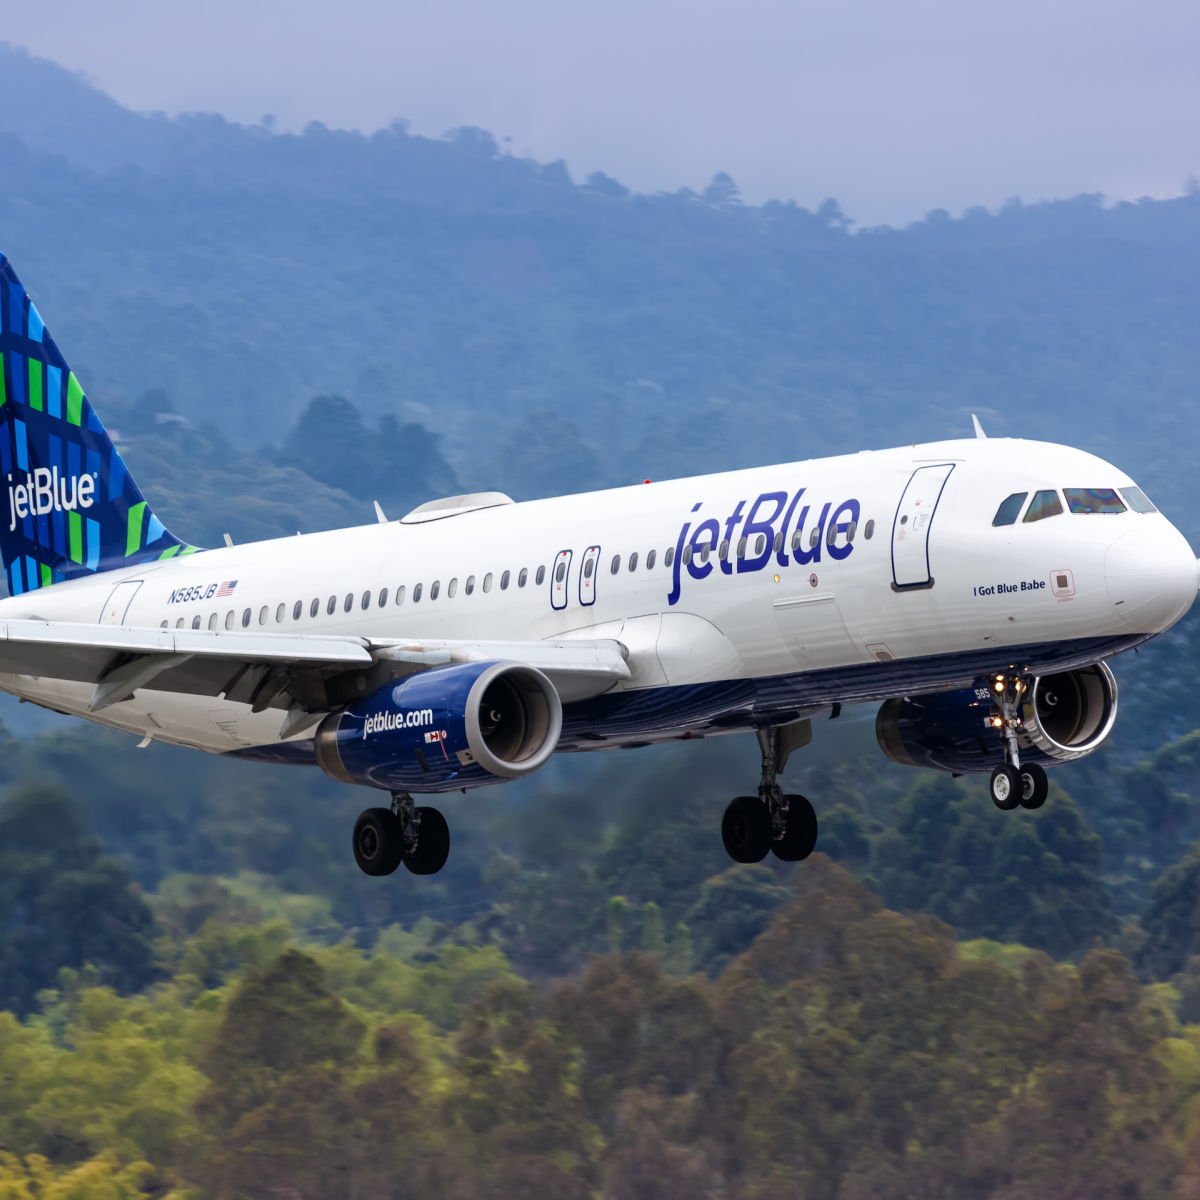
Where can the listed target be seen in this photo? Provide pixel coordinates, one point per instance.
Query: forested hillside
(201, 996)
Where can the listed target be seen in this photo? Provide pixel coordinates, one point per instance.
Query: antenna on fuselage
(379, 513)
(978, 428)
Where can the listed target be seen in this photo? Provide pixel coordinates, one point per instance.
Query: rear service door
(912, 525)
(118, 602)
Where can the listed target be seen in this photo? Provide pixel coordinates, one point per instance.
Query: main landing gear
(1014, 785)
(782, 823)
(386, 837)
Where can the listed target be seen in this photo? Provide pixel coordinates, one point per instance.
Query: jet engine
(1063, 717)
(445, 729)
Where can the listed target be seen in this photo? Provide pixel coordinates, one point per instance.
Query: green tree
(63, 903)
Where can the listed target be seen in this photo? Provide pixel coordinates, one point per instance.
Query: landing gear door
(587, 575)
(913, 521)
(560, 580)
(118, 602)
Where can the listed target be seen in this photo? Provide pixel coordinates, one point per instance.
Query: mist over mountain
(556, 334)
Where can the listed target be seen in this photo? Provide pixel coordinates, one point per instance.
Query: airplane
(973, 588)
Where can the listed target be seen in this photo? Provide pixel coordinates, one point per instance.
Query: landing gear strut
(774, 821)
(386, 837)
(1012, 784)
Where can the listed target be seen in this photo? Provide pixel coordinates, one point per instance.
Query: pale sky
(893, 107)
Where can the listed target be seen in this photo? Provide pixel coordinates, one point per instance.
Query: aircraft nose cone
(1152, 577)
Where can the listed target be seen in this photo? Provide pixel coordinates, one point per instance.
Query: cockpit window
(1044, 504)
(1093, 500)
(1137, 500)
(1009, 509)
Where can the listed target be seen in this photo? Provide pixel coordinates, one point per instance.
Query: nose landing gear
(773, 821)
(1012, 784)
(386, 837)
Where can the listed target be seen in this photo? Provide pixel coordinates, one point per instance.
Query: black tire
(800, 837)
(746, 830)
(1005, 787)
(378, 844)
(1035, 787)
(433, 843)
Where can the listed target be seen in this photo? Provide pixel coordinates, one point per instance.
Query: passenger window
(687, 555)
(228, 619)
(298, 610)
(179, 623)
(541, 576)
(331, 605)
(262, 615)
(1138, 500)
(1093, 500)
(400, 595)
(417, 594)
(383, 595)
(869, 529)
(816, 537)
(523, 577)
(616, 563)
(196, 622)
(348, 603)
(487, 582)
(365, 602)
(163, 624)
(742, 548)
(314, 608)
(434, 588)
(469, 586)
(633, 561)
(669, 557)
(760, 543)
(280, 613)
(504, 581)
(246, 614)
(451, 589)
(1044, 504)
(650, 559)
(1007, 513)
(797, 538)
(779, 541)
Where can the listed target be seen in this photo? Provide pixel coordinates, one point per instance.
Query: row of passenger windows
(1047, 503)
(351, 600)
(369, 599)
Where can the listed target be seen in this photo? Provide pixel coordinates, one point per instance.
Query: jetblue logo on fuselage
(46, 491)
(775, 526)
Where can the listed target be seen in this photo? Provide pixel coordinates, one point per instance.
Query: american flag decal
(226, 589)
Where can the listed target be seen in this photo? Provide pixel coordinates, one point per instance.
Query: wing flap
(257, 667)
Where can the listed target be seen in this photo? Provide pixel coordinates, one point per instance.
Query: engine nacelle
(445, 729)
(1064, 717)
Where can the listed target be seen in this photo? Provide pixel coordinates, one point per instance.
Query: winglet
(978, 428)
(380, 516)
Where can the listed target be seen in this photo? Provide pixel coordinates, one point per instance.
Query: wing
(305, 675)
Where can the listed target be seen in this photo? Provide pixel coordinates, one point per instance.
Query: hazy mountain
(560, 334)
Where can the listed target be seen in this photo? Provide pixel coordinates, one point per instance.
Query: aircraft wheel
(800, 837)
(1006, 787)
(378, 841)
(433, 843)
(746, 829)
(1034, 786)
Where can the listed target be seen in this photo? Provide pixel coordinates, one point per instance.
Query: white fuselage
(972, 597)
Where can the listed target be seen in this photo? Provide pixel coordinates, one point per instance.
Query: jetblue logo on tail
(45, 491)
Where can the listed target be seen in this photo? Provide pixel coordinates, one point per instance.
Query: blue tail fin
(69, 506)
